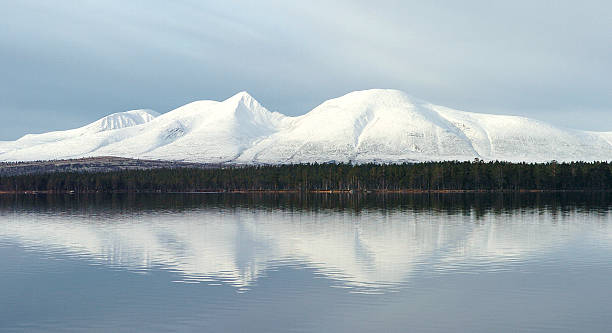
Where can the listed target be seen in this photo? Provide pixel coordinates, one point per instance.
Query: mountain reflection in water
(366, 244)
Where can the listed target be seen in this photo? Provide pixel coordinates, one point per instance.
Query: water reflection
(361, 244)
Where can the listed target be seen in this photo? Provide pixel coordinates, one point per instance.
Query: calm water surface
(265, 263)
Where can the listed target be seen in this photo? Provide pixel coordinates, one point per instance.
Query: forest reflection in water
(368, 243)
(448, 203)
(361, 244)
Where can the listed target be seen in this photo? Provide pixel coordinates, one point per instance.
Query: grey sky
(66, 63)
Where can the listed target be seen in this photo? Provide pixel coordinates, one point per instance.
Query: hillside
(381, 126)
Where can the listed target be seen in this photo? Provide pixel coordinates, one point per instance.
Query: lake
(306, 263)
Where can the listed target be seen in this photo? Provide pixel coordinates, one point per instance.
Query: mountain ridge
(377, 125)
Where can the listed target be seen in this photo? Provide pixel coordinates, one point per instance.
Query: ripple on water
(423, 262)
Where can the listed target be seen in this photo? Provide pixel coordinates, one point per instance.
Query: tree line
(430, 176)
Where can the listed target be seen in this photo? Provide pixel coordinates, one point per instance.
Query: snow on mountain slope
(202, 131)
(607, 136)
(363, 126)
(76, 142)
(512, 138)
(372, 125)
(110, 122)
(121, 120)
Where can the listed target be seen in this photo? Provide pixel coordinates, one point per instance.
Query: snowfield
(383, 126)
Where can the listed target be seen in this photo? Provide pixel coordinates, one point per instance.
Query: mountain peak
(242, 96)
(378, 96)
(122, 120)
(245, 105)
(375, 125)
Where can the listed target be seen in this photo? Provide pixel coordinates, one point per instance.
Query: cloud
(80, 60)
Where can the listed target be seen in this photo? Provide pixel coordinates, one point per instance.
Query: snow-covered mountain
(77, 142)
(363, 126)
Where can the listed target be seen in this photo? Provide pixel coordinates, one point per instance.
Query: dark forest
(432, 176)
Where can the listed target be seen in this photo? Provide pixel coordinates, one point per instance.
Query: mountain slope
(76, 142)
(202, 131)
(363, 126)
(373, 125)
(512, 138)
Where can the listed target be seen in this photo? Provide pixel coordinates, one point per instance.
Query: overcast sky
(66, 63)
